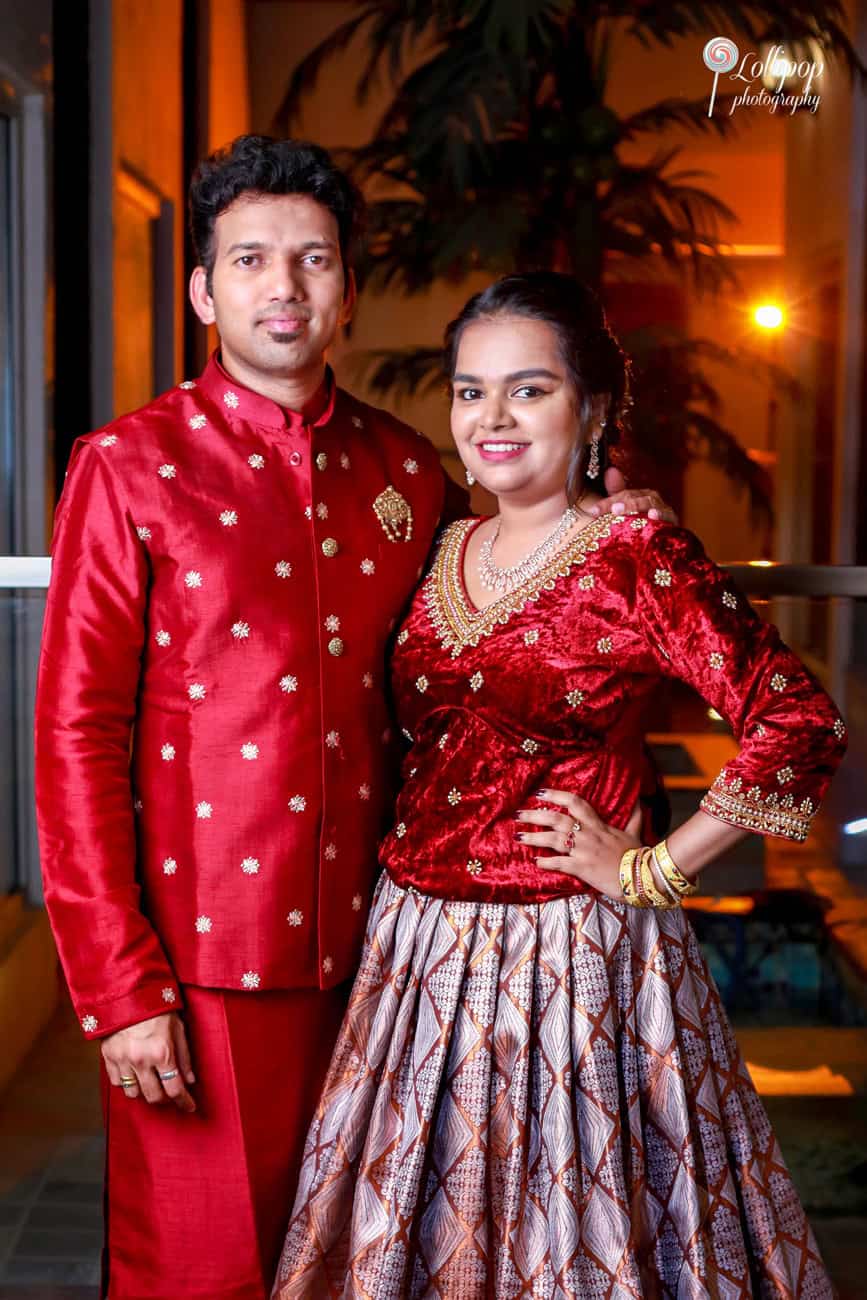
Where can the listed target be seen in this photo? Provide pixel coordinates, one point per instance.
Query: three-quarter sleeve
(701, 629)
(88, 682)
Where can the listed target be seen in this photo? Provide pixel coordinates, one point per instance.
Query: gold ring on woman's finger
(570, 837)
(127, 1082)
(169, 1074)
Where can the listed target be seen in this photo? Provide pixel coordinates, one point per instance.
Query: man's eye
(248, 259)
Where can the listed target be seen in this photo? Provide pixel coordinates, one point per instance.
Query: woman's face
(514, 412)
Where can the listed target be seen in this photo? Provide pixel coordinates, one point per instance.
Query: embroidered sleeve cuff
(753, 810)
(100, 1019)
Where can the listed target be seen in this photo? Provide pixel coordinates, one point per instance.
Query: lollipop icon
(719, 55)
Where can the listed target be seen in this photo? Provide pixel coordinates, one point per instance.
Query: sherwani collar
(242, 403)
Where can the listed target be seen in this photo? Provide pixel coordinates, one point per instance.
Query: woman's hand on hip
(584, 846)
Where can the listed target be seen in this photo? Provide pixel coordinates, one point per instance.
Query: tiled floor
(51, 1171)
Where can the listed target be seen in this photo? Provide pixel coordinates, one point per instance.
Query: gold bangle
(637, 883)
(672, 872)
(654, 897)
(662, 879)
(626, 872)
(627, 880)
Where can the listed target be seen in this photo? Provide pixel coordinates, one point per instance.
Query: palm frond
(683, 113)
(306, 73)
(403, 372)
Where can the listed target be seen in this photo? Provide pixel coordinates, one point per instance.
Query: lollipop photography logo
(772, 81)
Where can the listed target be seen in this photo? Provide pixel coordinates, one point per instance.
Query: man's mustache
(278, 313)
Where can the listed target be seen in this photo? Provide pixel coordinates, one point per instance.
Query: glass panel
(20, 629)
(8, 782)
(7, 390)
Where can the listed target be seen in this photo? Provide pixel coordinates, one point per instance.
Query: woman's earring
(593, 462)
(471, 478)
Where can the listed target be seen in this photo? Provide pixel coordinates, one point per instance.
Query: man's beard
(284, 338)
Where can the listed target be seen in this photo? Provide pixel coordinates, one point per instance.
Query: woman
(536, 1091)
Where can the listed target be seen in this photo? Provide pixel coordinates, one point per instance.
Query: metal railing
(766, 579)
(763, 578)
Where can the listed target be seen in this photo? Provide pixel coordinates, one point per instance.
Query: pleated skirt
(541, 1100)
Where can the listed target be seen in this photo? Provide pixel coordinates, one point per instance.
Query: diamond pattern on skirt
(541, 1101)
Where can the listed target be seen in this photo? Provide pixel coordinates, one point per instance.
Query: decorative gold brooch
(394, 514)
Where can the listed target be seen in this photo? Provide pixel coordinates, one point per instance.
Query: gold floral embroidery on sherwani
(457, 624)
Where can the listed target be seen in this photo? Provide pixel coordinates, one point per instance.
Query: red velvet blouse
(548, 686)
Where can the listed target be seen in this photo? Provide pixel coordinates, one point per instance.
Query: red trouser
(197, 1205)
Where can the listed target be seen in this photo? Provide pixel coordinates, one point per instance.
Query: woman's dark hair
(262, 165)
(594, 360)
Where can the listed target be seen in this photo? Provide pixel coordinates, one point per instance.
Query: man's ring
(570, 838)
(127, 1082)
(169, 1074)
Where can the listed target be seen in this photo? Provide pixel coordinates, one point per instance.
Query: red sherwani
(226, 576)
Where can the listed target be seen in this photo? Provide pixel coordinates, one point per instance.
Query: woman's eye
(527, 390)
(468, 394)
(315, 259)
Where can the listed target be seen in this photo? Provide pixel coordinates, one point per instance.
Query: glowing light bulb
(769, 316)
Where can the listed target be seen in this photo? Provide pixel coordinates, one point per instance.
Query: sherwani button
(335, 646)
(330, 547)
(296, 458)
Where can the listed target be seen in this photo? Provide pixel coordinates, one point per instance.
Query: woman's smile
(496, 449)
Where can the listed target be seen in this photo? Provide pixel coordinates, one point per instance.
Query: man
(212, 732)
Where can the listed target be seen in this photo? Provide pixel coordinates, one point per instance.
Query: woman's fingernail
(594, 510)
(191, 1078)
(653, 514)
(540, 794)
(540, 862)
(618, 508)
(519, 835)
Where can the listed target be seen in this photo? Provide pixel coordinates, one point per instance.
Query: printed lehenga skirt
(544, 1101)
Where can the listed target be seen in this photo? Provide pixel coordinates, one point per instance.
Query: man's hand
(623, 500)
(155, 1056)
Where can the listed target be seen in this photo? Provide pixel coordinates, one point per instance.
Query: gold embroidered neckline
(457, 623)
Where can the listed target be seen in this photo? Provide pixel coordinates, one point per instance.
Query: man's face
(279, 293)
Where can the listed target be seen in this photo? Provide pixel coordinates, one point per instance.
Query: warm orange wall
(148, 106)
(148, 130)
(229, 84)
(746, 169)
(147, 88)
